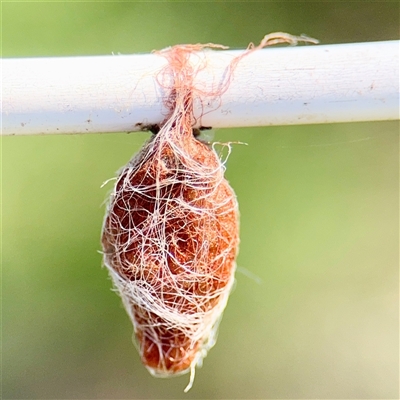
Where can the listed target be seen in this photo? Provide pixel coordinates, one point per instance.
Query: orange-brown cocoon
(170, 240)
(170, 236)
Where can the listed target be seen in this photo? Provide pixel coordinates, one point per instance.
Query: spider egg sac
(170, 239)
(171, 231)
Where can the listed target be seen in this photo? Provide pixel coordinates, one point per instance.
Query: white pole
(273, 86)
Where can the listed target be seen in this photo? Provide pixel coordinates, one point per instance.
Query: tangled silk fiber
(171, 232)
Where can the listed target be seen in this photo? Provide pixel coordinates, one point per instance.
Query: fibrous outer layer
(170, 238)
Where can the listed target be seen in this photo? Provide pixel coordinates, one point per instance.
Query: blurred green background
(315, 310)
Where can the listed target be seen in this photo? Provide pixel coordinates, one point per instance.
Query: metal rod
(273, 86)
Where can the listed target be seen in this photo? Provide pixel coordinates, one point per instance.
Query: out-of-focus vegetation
(319, 222)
